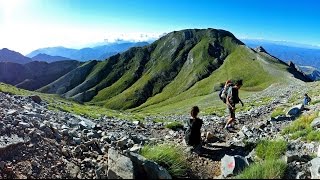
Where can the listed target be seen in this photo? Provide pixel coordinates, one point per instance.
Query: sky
(26, 25)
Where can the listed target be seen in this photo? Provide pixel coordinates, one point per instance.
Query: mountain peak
(7, 55)
(260, 49)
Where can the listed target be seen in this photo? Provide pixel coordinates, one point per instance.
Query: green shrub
(277, 112)
(169, 156)
(271, 150)
(174, 125)
(270, 169)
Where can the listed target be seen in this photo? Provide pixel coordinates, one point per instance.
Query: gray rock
(119, 166)
(301, 175)
(315, 168)
(146, 169)
(315, 123)
(122, 142)
(12, 112)
(24, 125)
(77, 140)
(231, 165)
(2, 164)
(73, 169)
(36, 98)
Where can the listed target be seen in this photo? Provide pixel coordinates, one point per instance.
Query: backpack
(224, 92)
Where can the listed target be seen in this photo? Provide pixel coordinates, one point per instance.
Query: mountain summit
(174, 69)
(7, 55)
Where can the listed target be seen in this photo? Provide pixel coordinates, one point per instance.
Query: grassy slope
(180, 60)
(254, 73)
(158, 71)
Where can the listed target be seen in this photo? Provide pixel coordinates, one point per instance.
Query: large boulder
(315, 167)
(231, 165)
(36, 98)
(315, 123)
(119, 166)
(146, 169)
(295, 110)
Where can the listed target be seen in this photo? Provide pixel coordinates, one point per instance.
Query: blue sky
(30, 24)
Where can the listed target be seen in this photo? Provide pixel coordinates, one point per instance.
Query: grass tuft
(169, 156)
(278, 112)
(301, 128)
(174, 125)
(271, 150)
(270, 169)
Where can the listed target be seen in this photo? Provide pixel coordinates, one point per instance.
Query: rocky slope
(39, 143)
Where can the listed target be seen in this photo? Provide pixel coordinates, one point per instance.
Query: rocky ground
(36, 142)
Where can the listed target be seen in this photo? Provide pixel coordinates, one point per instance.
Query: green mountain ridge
(183, 65)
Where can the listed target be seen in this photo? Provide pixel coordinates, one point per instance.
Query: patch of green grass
(301, 128)
(205, 87)
(175, 125)
(313, 136)
(315, 102)
(271, 150)
(270, 169)
(278, 111)
(169, 156)
(302, 123)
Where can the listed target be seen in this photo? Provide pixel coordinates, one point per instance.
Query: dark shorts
(232, 112)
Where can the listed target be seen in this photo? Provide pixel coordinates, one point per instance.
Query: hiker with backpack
(193, 133)
(232, 99)
(224, 90)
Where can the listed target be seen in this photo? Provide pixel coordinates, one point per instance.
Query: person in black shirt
(193, 134)
(231, 101)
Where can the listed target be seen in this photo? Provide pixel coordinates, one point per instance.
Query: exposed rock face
(260, 49)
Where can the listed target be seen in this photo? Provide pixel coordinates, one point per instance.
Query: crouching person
(193, 132)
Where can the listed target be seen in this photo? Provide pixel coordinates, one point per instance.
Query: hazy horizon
(27, 25)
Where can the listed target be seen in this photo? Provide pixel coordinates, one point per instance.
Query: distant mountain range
(7, 55)
(48, 58)
(34, 75)
(85, 54)
(311, 72)
(302, 55)
(178, 68)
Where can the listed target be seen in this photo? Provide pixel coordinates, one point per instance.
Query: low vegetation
(270, 165)
(174, 125)
(301, 128)
(269, 169)
(278, 112)
(169, 156)
(271, 150)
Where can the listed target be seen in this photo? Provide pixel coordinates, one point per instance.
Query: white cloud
(26, 37)
(21, 30)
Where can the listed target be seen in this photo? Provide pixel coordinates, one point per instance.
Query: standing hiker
(231, 101)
